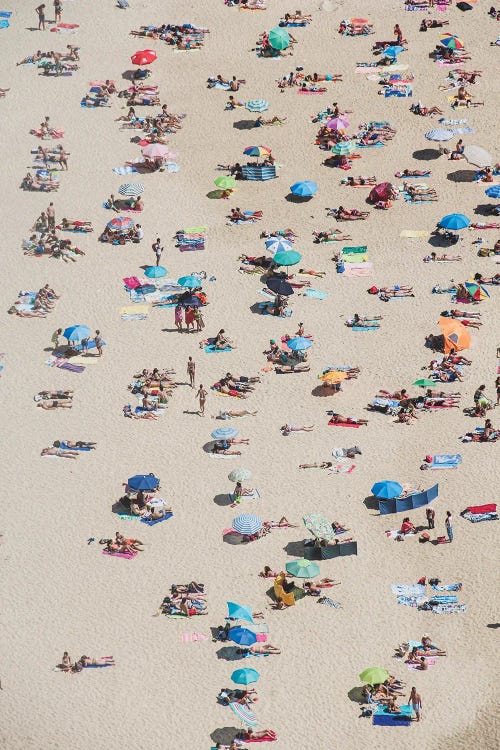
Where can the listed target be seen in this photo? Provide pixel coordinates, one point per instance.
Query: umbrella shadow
(119, 507)
(222, 500)
(426, 154)
(371, 502)
(129, 75)
(245, 124)
(257, 310)
(438, 240)
(224, 735)
(229, 653)
(461, 175)
(356, 695)
(291, 198)
(215, 194)
(208, 446)
(294, 549)
(321, 391)
(330, 161)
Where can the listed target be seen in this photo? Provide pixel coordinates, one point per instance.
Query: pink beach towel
(193, 637)
(126, 555)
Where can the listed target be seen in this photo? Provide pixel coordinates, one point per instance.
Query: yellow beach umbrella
(333, 376)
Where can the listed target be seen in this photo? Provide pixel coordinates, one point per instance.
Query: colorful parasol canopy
(343, 148)
(120, 223)
(338, 124)
(257, 151)
(155, 151)
(456, 336)
(333, 377)
(451, 41)
(279, 38)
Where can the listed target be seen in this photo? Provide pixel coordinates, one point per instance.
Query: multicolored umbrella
(131, 189)
(287, 258)
(451, 41)
(278, 245)
(319, 526)
(246, 523)
(258, 151)
(338, 124)
(239, 475)
(279, 38)
(343, 148)
(155, 272)
(225, 183)
(244, 713)
(76, 333)
(245, 676)
(120, 223)
(454, 221)
(224, 433)
(304, 188)
(299, 344)
(476, 291)
(143, 57)
(302, 568)
(386, 490)
(257, 105)
(239, 612)
(374, 675)
(333, 377)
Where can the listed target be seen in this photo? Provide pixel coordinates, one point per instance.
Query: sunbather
(394, 291)
(339, 419)
(59, 452)
(286, 429)
(343, 214)
(259, 648)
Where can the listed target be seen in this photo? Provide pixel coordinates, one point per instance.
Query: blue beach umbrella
(245, 676)
(246, 523)
(392, 51)
(454, 221)
(299, 344)
(189, 281)
(257, 105)
(242, 636)
(304, 188)
(76, 333)
(493, 191)
(155, 272)
(278, 245)
(239, 612)
(386, 490)
(287, 258)
(224, 433)
(146, 482)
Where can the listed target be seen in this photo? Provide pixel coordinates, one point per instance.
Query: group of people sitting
(122, 546)
(44, 180)
(34, 304)
(153, 388)
(121, 236)
(187, 599)
(155, 128)
(47, 242)
(145, 505)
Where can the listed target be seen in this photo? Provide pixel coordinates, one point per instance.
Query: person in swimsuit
(59, 452)
(201, 395)
(40, 10)
(416, 703)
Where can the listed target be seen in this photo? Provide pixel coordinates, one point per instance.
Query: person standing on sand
(98, 342)
(430, 514)
(57, 10)
(202, 396)
(157, 249)
(54, 340)
(191, 369)
(448, 522)
(51, 216)
(416, 703)
(41, 17)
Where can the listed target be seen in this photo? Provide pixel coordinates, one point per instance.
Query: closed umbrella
(245, 676)
(451, 41)
(155, 272)
(146, 482)
(493, 191)
(224, 433)
(225, 182)
(76, 333)
(131, 189)
(280, 286)
(387, 489)
(343, 148)
(239, 475)
(244, 713)
(143, 57)
(299, 344)
(279, 38)
(190, 282)
(304, 188)
(246, 523)
(439, 134)
(319, 526)
(155, 151)
(338, 124)
(242, 636)
(239, 612)
(287, 258)
(374, 675)
(392, 51)
(278, 245)
(302, 568)
(333, 377)
(454, 221)
(257, 105)
(120, 223)
(478, 156)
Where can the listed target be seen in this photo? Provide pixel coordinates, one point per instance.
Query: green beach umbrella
(287, 258)
(302, 568)
(343, 148)
(374, 675)
(424, 383)
(225, 183)
(279, 38)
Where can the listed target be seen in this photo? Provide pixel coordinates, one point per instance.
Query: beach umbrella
(381, 192)
(451, 41)
(155, 272)
(374, 675)
(337, 123)
(225, 183)
(299, 344)
(478, 156)
(476, 291)
(239, 475)
(343, 148)
(424, 383)
(120, 223)
(333, 377)
(392, 51)
(439, 134)
(244, 713)
(304, 188)
(278, 245)
(493, 191)
(386, 490)
(239, 612)
(245, 676)
(190, 282)
(246, 523)
(76, 333)
(131, 189)
(454, 221)
(456, 336)
(280, 286)
(155, 151)
(146, 482)
(279, 38)
(287, 258)
(319, 526)
(258, 151)
(242, 636)
(224, 433)
(302, 568)
(257, 105)
(143, 57)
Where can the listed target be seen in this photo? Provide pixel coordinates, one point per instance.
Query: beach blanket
(445, 461)
(193, 637)
(478, 513)
(412, 601)
(372, 145)
(357, 270)
(408, 589)
(315, 294)
(449, 609)
(343, 424)
(65, 28)
(446, 587)
(210, 349)
(126, 555)
(154, 521)
(134, 312)
(365, 328)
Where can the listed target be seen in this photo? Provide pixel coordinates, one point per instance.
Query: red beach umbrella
(143, 57)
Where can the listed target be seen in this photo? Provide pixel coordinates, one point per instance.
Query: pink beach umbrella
(337, 123)
(155, 151)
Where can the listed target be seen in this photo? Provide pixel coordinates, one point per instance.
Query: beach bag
(442, 540)
(424, 537)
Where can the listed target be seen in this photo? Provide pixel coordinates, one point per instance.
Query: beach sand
(57, 592)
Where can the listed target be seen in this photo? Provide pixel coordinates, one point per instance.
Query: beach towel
(154, 521)
(343, 424)
(123, 170)
(411, 601)
(449, 609)
(445, 461)
(444, 599)
(408, 589)
(210, 349)
(65, 28)
(364, 328)
(357, 270)
(446, 587)
(372, 145)
(97, 666)
(315, 294)
(193, 637)
(126, 555)
(134, 312)
(478, 517)
(254, 496)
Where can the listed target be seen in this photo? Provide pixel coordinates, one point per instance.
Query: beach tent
(456, 336)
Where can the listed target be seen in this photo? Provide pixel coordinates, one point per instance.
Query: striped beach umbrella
(258, 151)
(343, 148)
(120, 223)
(278, 245)
(246, 523)
(451, 41)
(439, 134)
(338, 124)
(244, 713)
(224, 433)
(131, 189)
(257, 105)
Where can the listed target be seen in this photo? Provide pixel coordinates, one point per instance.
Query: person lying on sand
(393, 291)
(339, 419)
(344, 214)
(331, 235)
(286, 429)
(441, 258)
(59, 452)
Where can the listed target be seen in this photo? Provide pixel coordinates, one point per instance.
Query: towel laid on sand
(408, 589)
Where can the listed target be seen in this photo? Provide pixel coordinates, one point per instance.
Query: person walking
(57, 10)
(157, 249)
(430, 514)
(51, 216)
(191, 369)
(416, 703)
(40, 10)
(98, 342)
(202, 396)
(449, 526)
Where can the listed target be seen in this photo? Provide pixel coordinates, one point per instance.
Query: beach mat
(154, 521)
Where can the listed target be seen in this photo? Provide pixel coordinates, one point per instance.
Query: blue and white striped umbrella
(246, 523)
(244, 713)
(257, 105)
(131, 189)
(224, 433)
(440, 134)
(493, 191)
(278, 245)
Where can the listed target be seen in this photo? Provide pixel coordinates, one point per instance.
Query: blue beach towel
(373, 145)
(210, 349)
(408, 589)
(446, 461)
(365, 328)
(154, 521)
(124, 170)
(447, 587)
(315, 294)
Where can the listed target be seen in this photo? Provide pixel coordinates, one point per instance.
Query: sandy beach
(57, 591)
